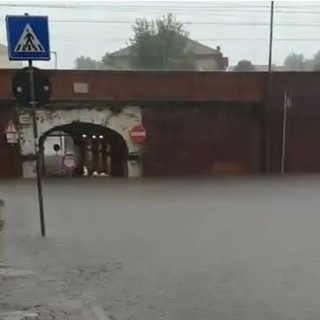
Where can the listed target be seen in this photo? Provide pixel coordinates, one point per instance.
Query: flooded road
(183, 249)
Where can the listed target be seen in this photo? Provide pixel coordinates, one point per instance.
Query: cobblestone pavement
(141, 250)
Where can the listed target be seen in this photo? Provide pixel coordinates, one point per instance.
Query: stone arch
(120, 123)
(99, 149)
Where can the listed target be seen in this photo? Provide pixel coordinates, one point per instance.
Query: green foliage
(160, 45)
(295, 62)
(156, 45)
(316, 61)
(86, 63)
(107, 61)
(244, 65)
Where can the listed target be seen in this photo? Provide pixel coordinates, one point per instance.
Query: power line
(145, 8)
(218, 23)
(225, 23)
(197, 39)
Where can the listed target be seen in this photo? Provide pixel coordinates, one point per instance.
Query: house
(5, 63)
(206, 58)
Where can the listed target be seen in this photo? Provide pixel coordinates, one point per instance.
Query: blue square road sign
(28, 37)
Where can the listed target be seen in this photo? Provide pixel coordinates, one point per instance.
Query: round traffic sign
(138, 134)
(69, 161)
(21, 86)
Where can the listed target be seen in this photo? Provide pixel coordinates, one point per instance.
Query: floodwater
(187, 249)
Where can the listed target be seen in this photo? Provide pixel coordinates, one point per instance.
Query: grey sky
(240, 28)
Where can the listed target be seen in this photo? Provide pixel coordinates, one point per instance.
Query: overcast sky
(240, 28)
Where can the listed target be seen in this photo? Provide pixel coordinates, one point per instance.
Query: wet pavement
(188, 249)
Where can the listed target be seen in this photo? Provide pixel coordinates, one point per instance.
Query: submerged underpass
(98, 150)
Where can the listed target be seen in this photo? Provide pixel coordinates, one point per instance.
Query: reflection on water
(1, 228)
(1, 220)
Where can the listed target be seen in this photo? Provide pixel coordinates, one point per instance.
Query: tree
(86, 63)
(316, 61)
(160, 44)
(295, 62)
(244, 65)
(108, 62)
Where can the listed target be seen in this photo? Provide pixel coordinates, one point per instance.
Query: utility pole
(271, 36)
(269, 93)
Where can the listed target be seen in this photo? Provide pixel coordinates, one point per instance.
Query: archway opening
(100, 151)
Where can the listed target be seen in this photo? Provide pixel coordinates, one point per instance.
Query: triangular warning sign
(28, 41)
(10, 128)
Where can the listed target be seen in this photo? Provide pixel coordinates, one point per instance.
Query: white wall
(121, 123)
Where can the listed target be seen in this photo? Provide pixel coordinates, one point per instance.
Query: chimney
(218, 48)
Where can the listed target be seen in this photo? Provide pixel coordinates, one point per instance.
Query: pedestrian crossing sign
(28, 37)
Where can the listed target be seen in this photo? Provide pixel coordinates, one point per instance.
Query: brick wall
(303, 130)
(141, 86)
(203, 139)
(228, 132)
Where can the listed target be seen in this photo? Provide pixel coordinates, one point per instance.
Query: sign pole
(33, 104)
(28, 39)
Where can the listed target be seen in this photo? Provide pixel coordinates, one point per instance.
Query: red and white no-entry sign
(138, 134)
(69, 161)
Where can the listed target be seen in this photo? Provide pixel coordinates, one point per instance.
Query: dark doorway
(100, 151)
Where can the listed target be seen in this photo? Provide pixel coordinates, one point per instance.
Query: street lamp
(55, 59)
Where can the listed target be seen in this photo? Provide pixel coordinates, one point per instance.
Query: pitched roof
(196, 47)
(192, 46)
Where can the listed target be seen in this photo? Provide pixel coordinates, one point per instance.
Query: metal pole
(269, 93)
(284, 133)
(271, 36)
(33, 104)
(55, 59)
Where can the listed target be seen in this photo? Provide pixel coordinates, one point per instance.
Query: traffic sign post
(28, 39)
(33, 104)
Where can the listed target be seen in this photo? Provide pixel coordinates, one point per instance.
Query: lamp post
(55, 59)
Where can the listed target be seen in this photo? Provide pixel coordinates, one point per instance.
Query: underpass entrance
(100, 151)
